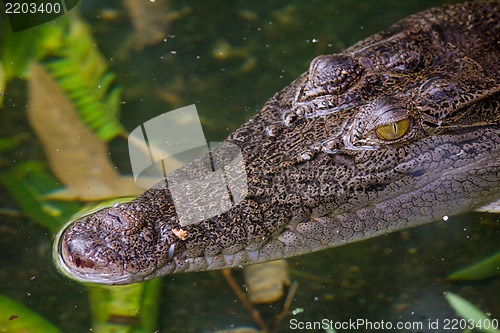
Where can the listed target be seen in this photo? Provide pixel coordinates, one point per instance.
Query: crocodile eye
(393, 131)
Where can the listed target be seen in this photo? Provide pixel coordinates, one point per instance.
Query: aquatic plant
(67, 50)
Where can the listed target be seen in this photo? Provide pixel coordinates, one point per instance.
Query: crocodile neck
(318, 171)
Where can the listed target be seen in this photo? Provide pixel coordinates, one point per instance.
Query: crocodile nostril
(332, 74)
(74, 254)
(83, 262)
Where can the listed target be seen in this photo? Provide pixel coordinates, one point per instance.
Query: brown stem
(244, 300)
(286, 304)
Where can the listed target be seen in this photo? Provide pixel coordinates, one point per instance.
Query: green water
(264, 46)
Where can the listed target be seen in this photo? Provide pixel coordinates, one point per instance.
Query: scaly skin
(318, 173)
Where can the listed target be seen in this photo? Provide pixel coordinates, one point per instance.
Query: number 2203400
(462, 324)
(32, 8)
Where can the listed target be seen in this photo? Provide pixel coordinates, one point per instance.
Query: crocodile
(398, 130)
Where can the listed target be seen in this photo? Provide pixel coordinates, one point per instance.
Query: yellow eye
(393, 131)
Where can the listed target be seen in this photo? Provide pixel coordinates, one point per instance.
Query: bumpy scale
(400, 129)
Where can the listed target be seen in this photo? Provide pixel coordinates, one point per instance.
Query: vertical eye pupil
(393, 131)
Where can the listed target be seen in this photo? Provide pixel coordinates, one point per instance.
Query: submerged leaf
(15, 318)
(27, 182)
(468, 311)
(488, 267)
(240, 330)
(266, 282)
(9, 143)
(150, 20)
(77, 157)
(21, 48)
(3, 83)
(82, 72)
(132, 308)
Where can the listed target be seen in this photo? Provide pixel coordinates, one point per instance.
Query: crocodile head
(400, 129)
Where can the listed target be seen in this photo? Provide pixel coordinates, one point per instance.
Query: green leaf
(16, 318)
(83, 74)
(27, 183)
(9, 143)
(19, 49)
(125, 309)
(486, 268)
(466, 310)
(3, 83)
